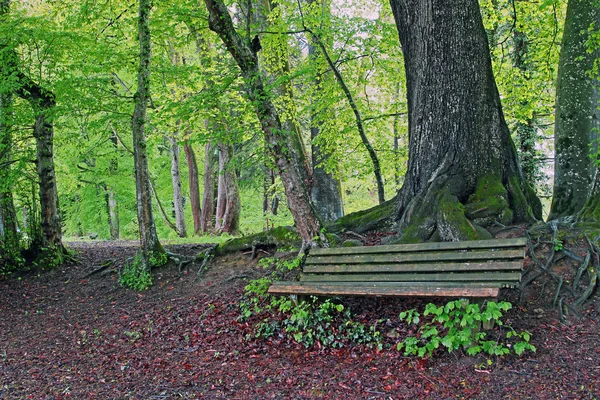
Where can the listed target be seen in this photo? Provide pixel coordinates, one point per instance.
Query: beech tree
(42, 102)
(577, 118)
(293, 174)
(148, 236)
(463, 173)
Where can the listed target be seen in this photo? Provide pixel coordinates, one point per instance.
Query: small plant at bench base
(457, 325)
(308, 322)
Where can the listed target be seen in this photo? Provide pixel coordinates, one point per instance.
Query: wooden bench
(476, 269)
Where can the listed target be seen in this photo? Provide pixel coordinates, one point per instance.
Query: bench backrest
(489, 263)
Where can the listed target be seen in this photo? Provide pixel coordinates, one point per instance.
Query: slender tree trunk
(148, 236)
(359, 121)
(9, 237)
(112, 208)
(231, 208)
(208, 198)
(577, 118)
(221, 192)
(293, 175)
(463, 172)
(177, 192)
(194, 186)
(326, 190)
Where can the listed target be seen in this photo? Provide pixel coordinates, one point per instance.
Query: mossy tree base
(438, 214)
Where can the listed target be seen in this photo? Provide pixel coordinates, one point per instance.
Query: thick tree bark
(177, 192)
(293, 175)
(231, 215)
(577, 118)
(208, 198)
(326, 190)
(148, 236)
(194, 186)
(463, 173)
(43, 131)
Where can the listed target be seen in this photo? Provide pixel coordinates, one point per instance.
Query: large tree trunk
(577, 118)
(177, 192)
(194, 186)
(231, 215)
(148, 237)
(208, 198)
(463, 173)
(293, 175)
(326, 190)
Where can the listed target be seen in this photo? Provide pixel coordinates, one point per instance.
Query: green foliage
(457, 325)
(135, 274)
(309, 322)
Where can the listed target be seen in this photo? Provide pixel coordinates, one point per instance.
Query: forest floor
(64, 335)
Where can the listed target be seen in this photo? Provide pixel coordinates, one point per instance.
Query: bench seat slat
(433, 277)
(419, 247)
(400, 284)
(378, 290)
(425, 267)
(416, 257)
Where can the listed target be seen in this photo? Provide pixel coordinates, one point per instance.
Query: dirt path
(63, 336)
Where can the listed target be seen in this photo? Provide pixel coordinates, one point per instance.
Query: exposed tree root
(572, 291)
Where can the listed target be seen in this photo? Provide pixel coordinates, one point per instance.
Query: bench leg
(487, 325)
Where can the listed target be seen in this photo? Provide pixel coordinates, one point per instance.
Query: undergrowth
(456, 326)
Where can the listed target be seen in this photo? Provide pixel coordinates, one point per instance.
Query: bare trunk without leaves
(577, 118)
(221, 193)
(463, 173)
(194, 186)
(208, 198)
(112, 208)
(177, 192)
(43, 132)
(232, 207)
(148, 237)
(292, 175)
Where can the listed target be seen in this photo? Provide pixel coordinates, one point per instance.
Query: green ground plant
(457, 325)
(134, 274)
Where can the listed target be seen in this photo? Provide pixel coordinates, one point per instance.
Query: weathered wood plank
(391, 291)
(419, 247)
(512, 277)
(403, 268)
(403, 284)
(417, 257)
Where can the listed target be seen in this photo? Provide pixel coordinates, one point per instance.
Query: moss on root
(378, 217)
(590, 213)
(520, 203)
(489, 203)
(453, 222)
(277, 237)
(438, 214)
